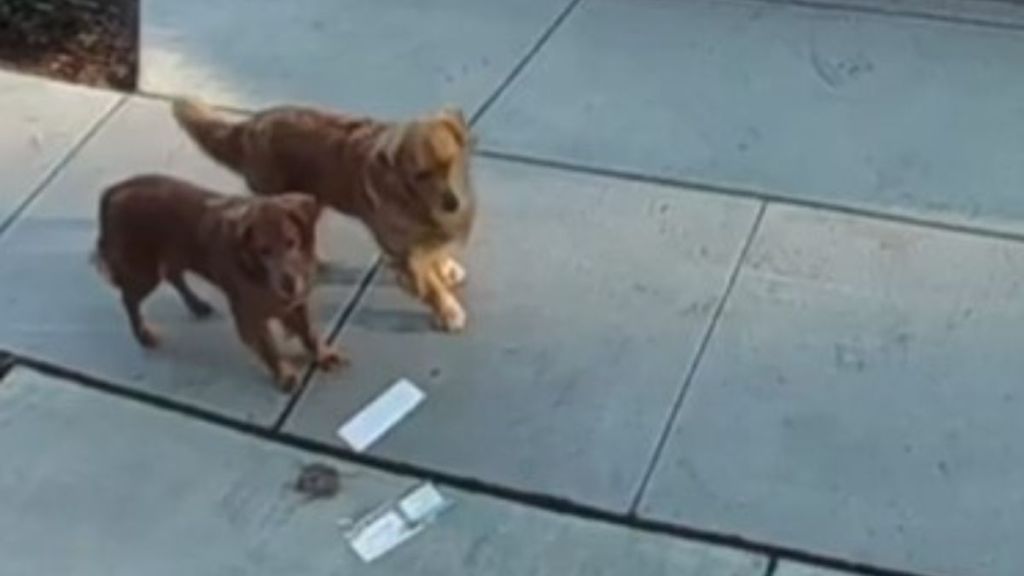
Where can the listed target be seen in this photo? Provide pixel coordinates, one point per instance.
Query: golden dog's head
(431, 155)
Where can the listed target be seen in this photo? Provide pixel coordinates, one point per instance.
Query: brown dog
(407, 182)
(259, 251)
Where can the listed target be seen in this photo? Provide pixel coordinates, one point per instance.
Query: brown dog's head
(275, 242)
(432, 155)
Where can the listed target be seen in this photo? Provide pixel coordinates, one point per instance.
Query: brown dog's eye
(424, 175)
(265, 251)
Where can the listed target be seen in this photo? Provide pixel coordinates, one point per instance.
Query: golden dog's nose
(449, 202)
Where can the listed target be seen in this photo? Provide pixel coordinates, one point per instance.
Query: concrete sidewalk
(769, 327)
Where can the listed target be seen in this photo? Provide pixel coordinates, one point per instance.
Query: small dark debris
(435, 372)
(318, 481)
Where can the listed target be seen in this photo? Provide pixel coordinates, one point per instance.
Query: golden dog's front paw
(451, 316)
(452, 273)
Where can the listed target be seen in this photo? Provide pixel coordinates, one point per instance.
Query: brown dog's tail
(100, 264)
(98, 257)
(217, 136)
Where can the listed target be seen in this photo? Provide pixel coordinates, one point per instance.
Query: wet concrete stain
(317, 481)
(957, 320)
(838, 72)
(849, 357)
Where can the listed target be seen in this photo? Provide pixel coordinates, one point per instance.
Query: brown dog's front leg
(256, 335)
(197, 306)
(132, 301)
(297, 321)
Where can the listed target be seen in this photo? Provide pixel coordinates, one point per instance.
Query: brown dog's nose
(290, 285)
(449, 201)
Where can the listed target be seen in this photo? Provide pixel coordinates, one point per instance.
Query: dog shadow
(395, 321)
(340, 275)
(378, 319)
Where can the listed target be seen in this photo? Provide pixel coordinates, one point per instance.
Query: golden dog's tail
(215, 135)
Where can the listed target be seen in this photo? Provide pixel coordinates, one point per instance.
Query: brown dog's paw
(147, 336)
(329, 358)
(287, 377)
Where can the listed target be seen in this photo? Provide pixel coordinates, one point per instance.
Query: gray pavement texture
(43, 122)
(747, 284)
(570, 350)
(792, 569)
(207, 501)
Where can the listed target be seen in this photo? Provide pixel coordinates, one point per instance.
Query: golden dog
(408, 182)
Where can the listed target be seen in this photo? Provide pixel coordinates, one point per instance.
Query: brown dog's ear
(304, 210)
(455, 121)
(240, 219)
(301, 205)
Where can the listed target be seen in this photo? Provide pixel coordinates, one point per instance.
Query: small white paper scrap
(380, 415)
(382, 535)
(422, 504)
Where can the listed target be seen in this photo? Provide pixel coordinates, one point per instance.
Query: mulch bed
(87, 41)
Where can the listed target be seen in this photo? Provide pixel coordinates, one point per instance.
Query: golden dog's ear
(454, 120)
(389, 145)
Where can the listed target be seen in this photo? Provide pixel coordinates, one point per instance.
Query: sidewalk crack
(691, 369)
(58, 167)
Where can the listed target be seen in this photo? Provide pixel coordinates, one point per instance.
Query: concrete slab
(836, 107)
(860, 398)
(121, 488)
(577, 342)
(793, 569)
(42, 121)
(389, 58)
(54, 306)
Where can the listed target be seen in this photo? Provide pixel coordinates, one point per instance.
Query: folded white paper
(422, 504)
(380, 536)
(380, 415)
